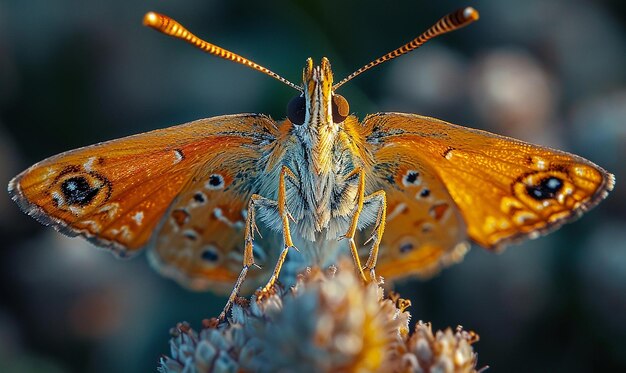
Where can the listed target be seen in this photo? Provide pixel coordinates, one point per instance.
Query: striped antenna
(170, 27)
(450, 22)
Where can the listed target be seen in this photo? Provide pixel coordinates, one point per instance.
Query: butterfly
(404, 194)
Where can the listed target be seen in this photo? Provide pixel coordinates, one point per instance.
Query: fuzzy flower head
(329, 321)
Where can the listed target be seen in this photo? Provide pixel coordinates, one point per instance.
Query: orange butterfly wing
(494, 189)
(118, 193)
(424, 230)
(201, 241)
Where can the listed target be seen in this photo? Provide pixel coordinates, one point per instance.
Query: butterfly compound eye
(341, 109)
(296, 110)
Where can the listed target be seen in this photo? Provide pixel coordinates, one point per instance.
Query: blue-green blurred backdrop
(74, 73)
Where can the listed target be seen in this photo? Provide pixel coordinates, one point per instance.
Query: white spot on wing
(399, 209)
(58, 198)
(50, 172)
(178, 156)
(124, 232)
(219, 215)
(539, 162)
(92, 226)
(579, 171)
(174, 225)
(524, 216)
(110, 209)
(87, 165)
(78, 211)
(138, 217)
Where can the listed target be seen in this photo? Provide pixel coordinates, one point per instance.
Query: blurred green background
(73, 73)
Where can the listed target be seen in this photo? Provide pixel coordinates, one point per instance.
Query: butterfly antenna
(450, 22)
(170, 27)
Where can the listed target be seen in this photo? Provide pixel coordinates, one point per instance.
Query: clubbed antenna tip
(450, 22)
(169, 26)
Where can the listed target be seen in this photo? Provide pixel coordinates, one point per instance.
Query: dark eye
(296, 110)
(341, 108)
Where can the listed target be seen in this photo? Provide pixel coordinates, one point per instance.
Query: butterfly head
(317, 114)
(318, 106)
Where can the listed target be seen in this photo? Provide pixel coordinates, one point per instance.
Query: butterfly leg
(379, 198)
(256, 201)
(355, 219)
(285, 217)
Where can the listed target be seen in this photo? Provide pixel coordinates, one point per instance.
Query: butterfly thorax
(323, 197)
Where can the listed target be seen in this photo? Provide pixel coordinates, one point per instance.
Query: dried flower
(445, 351)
